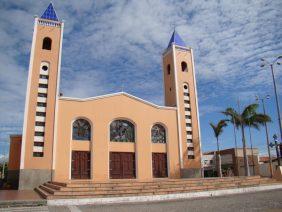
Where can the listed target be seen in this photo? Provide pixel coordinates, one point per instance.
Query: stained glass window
(122, 131)
(81, 130)
(158, 134)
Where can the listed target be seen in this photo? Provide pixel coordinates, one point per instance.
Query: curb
(154, 198)
(21, 203)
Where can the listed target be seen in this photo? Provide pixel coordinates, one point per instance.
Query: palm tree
(217, 130)
(249, 117)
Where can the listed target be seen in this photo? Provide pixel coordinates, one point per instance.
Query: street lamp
(266, 133)
(264, 63)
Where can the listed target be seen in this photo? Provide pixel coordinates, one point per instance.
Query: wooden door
(80, 165)
(122, 165)
(159, 161)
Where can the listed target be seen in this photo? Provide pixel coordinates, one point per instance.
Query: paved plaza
(259, 201)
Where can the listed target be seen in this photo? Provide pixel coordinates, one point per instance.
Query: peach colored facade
(101, 112)
(48, 145)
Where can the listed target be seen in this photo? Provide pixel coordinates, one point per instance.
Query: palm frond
(218, 128)
(249, 110)
(234, 116)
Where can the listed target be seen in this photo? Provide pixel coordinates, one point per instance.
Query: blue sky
(109, 43)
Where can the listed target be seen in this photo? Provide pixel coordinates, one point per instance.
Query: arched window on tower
(47, 43)
(168, 69)
(184, 66)
(122, 131)
(158, 134)
(81, 130)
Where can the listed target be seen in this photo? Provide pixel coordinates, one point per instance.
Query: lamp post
(266, 133)
(264, 63)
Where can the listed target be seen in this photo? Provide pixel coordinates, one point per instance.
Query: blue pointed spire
(176, 39)
(50, 13)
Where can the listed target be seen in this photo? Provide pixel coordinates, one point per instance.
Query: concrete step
(116, 188)
(44, 194)
(127, 185)
(85, 189)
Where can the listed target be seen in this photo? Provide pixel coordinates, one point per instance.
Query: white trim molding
(178, 109)
(196, 96)
(28, 89)
(117, 94)
(54, 145)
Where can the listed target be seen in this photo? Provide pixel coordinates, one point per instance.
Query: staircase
(90, 189)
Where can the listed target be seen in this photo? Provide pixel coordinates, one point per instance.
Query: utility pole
(276, 61)
(266, 133)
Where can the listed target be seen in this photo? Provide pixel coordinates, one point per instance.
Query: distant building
(264, 165)
(232, 162)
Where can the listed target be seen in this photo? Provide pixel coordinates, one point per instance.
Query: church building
(108, 137)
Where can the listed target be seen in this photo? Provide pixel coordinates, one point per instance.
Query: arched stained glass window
(158, 134)
(81, 130)
(122, 131)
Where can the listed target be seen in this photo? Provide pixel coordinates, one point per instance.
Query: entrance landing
(127, 188)
(13, 198)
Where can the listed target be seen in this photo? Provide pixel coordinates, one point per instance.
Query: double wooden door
(122, 165)
(159, 161)
(80, 165)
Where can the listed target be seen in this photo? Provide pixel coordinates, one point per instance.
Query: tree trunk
(246, 161)
(219, 172)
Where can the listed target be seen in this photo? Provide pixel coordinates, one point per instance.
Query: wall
(101, 112)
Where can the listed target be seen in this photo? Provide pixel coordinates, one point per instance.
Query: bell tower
(41, 100)
(180, 91)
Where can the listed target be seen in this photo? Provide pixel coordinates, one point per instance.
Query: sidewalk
(13, 198)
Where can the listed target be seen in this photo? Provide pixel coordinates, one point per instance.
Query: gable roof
(116, 94)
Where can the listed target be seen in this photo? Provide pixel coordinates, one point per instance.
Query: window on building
(41, 104)
(42, 94)
(44, 76)
(158, 134)
(184, 66)
(47, 43)
(39, 133)
(81, 130)
(38, 154)
(186, 101)
(43, 85)
(39, 123)
(191, 157)
(122, 131)
(168, 69)
(40, 113)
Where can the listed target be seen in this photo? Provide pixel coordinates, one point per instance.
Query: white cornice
(115, 94)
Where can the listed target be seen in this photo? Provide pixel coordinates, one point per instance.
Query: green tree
(249, 117)
(217, 130)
